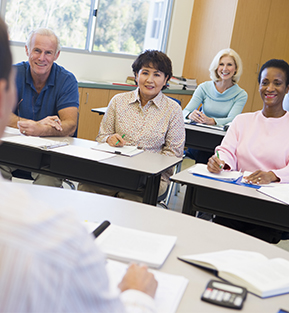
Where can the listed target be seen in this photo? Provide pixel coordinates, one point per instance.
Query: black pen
(103, 226)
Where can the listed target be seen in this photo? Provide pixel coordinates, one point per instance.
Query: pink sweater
(254, 142)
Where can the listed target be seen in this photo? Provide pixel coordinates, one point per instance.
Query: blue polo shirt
(59, 92)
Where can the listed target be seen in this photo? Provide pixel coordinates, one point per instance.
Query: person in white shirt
(48, 261)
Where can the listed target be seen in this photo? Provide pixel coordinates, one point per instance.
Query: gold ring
(259, 178)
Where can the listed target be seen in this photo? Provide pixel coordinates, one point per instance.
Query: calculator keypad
(221, 297)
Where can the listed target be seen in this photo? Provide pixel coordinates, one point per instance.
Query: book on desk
(261, 276)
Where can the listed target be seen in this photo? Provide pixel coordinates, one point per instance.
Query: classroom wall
(100, 68)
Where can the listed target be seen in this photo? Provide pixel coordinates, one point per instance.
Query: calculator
(224, 294)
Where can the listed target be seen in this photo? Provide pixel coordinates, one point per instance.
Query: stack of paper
(185, 83)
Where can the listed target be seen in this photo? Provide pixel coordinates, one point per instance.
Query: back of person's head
(281, 64)
(215, 63)
(43, 32)
(155, 58)
(5, 54)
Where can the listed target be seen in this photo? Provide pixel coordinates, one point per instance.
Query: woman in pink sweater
(257, 142)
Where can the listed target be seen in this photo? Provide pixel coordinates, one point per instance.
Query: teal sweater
(223, 107)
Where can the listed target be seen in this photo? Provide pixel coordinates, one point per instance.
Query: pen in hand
(219, 157)
(118, 140)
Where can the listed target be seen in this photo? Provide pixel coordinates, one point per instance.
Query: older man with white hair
(48, 97)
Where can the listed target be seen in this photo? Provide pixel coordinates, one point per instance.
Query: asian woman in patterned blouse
(144, 117)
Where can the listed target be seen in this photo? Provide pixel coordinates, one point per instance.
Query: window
(115, 26)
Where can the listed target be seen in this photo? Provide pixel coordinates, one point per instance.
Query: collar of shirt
(50, 80)
(157, 101)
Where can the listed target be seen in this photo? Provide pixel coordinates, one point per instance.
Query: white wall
(106, 68)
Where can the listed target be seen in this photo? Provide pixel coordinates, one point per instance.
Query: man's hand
(40, 128)
(139, 278)
(62, 125)
(52, 121)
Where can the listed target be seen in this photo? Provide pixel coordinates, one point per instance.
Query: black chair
(164, 199)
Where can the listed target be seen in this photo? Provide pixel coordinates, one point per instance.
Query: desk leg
(188, 201)
(152, 190)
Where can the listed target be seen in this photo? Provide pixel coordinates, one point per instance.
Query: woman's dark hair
(157, 59)
(281, 64)
(5, 54)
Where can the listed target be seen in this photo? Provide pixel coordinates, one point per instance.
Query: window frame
(91, 28)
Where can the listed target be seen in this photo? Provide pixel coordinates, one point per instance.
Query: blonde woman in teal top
(221, 98)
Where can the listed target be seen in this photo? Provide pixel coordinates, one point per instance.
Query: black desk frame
(87, 171)
(235, 206)
(203, 139)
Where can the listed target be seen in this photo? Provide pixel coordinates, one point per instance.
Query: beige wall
(211, 28)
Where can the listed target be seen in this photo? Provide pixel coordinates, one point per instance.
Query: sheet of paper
(170, 287)
(84, 153)
(217, 127)
(37, 142)
(132, 245)
(11, 131)
(278, 191)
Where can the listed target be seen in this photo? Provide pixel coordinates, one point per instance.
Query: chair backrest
(177, 100)
(286, 102)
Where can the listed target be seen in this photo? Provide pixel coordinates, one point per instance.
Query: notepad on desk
(217, 127)
(132, 245)
(260, 275)
(125, 150)
(170, 287)
(36, 142)
(200, 169)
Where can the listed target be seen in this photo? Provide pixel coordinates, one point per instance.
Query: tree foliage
(121, 24)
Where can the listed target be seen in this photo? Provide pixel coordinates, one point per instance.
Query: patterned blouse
(156, 127)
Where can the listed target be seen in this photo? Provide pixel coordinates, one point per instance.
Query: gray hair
(43, 32)
(215, 63)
